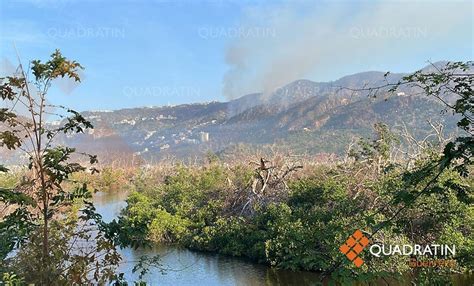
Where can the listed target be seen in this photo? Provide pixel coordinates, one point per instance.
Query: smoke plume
(314, 40)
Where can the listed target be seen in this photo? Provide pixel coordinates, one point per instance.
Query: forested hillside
(299, 117)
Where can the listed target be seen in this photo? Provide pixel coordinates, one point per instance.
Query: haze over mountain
(302, 116)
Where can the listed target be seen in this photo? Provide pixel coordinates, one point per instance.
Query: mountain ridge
(303, 108)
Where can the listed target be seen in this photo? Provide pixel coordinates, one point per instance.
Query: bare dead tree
(267, 185)
(411, 148)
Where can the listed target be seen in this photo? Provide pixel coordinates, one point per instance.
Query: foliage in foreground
(50, 233)
(266, 213)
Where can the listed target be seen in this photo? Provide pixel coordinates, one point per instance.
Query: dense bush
(303, 227)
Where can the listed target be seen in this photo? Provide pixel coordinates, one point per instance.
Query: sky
(153, 53)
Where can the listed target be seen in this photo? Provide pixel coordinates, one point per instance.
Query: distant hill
(304, 116)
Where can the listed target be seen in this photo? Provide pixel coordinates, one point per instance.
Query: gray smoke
(304, 39)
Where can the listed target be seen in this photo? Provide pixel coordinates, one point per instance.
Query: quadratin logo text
(357, 242)
(354, 246)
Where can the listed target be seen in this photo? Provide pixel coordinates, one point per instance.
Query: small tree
(39, 209)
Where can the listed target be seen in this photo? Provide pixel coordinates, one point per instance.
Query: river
(188, 267)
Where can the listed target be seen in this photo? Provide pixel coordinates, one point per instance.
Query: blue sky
(142, 53)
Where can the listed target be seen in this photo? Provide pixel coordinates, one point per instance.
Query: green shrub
(303, 229)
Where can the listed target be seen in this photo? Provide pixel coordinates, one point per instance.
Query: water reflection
(196, 268)
(185, 267)
(109, 205)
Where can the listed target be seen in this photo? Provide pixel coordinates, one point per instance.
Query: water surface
(185, 267)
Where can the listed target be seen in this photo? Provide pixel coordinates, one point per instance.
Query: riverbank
(185, 267)
(296, 218)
